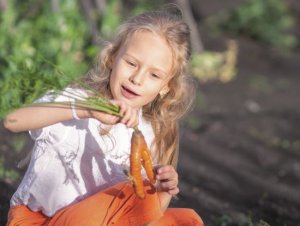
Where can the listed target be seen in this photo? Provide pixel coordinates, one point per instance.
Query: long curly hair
(165, 111)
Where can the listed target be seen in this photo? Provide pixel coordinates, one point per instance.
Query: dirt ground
(242, 161)
(239, 165)
(239, 162)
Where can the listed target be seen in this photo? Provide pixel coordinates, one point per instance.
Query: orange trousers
(117, 206)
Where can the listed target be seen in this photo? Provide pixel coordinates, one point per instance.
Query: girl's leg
(179, 217)
(22, 216)
(117, 205)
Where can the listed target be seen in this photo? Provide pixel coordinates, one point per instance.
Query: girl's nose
(137, 77)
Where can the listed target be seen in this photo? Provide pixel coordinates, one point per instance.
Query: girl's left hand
(168, 179)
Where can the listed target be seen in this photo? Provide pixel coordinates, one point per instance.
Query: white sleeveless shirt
(71, 161)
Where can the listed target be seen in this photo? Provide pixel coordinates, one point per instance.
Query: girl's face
(141, 69)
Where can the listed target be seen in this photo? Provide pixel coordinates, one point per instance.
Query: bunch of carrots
(139, 156)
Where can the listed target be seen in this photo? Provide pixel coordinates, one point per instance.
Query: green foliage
(10, 175)
(111, 18)
(18, 142)
(210, 65)
(38, 42)
(29, 37)
(268, 21)
(115, 12)
(143, 5)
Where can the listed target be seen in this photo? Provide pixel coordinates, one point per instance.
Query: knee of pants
(195, 218)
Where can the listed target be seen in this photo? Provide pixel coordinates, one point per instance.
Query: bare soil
(241, 165)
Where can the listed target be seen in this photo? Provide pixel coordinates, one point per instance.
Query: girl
(76, 173)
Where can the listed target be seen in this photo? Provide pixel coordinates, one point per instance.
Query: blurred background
(240, 146)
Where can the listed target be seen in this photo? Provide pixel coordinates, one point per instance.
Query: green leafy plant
(111, 18)
(211, 65)
(268, 21)
(9, 175)
(37, 43)
(31, 39)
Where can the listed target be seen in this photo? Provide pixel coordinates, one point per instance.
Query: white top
(71, 160)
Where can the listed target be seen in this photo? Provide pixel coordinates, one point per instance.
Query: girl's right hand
(130, 115)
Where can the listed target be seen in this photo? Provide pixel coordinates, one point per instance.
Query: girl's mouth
(128, 93)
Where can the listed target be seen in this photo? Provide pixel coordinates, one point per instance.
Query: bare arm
(29, 118)
(164, 199)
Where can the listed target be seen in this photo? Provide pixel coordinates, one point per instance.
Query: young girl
(76, 173)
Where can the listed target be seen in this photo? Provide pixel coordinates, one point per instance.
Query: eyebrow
(155, 68)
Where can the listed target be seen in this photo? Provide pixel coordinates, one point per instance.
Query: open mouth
(128, 93)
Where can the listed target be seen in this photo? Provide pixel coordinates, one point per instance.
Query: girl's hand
(130, 115)
(168, 179)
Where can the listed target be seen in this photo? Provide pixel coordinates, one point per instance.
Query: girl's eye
(131, 63)
(154, 75)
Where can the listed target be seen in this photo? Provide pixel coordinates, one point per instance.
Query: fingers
(113, 119)
(174, 191)
(167, 172)
(130, 115)
(129, 118)
(104, 117)
(168, 179)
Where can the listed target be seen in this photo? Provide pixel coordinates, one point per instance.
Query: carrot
(135, 164)
(140, 155)
(147, 163)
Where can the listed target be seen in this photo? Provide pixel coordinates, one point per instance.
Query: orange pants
(115, 206)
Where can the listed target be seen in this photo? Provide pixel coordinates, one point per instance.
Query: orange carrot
(135, 164)
(140, 155)
(147, 163)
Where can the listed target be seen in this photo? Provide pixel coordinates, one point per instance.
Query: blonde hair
(165, 111)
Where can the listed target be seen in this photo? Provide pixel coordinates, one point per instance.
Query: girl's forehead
(142, 33)
(152, 43)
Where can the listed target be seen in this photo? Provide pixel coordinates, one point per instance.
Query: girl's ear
(164, 91)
